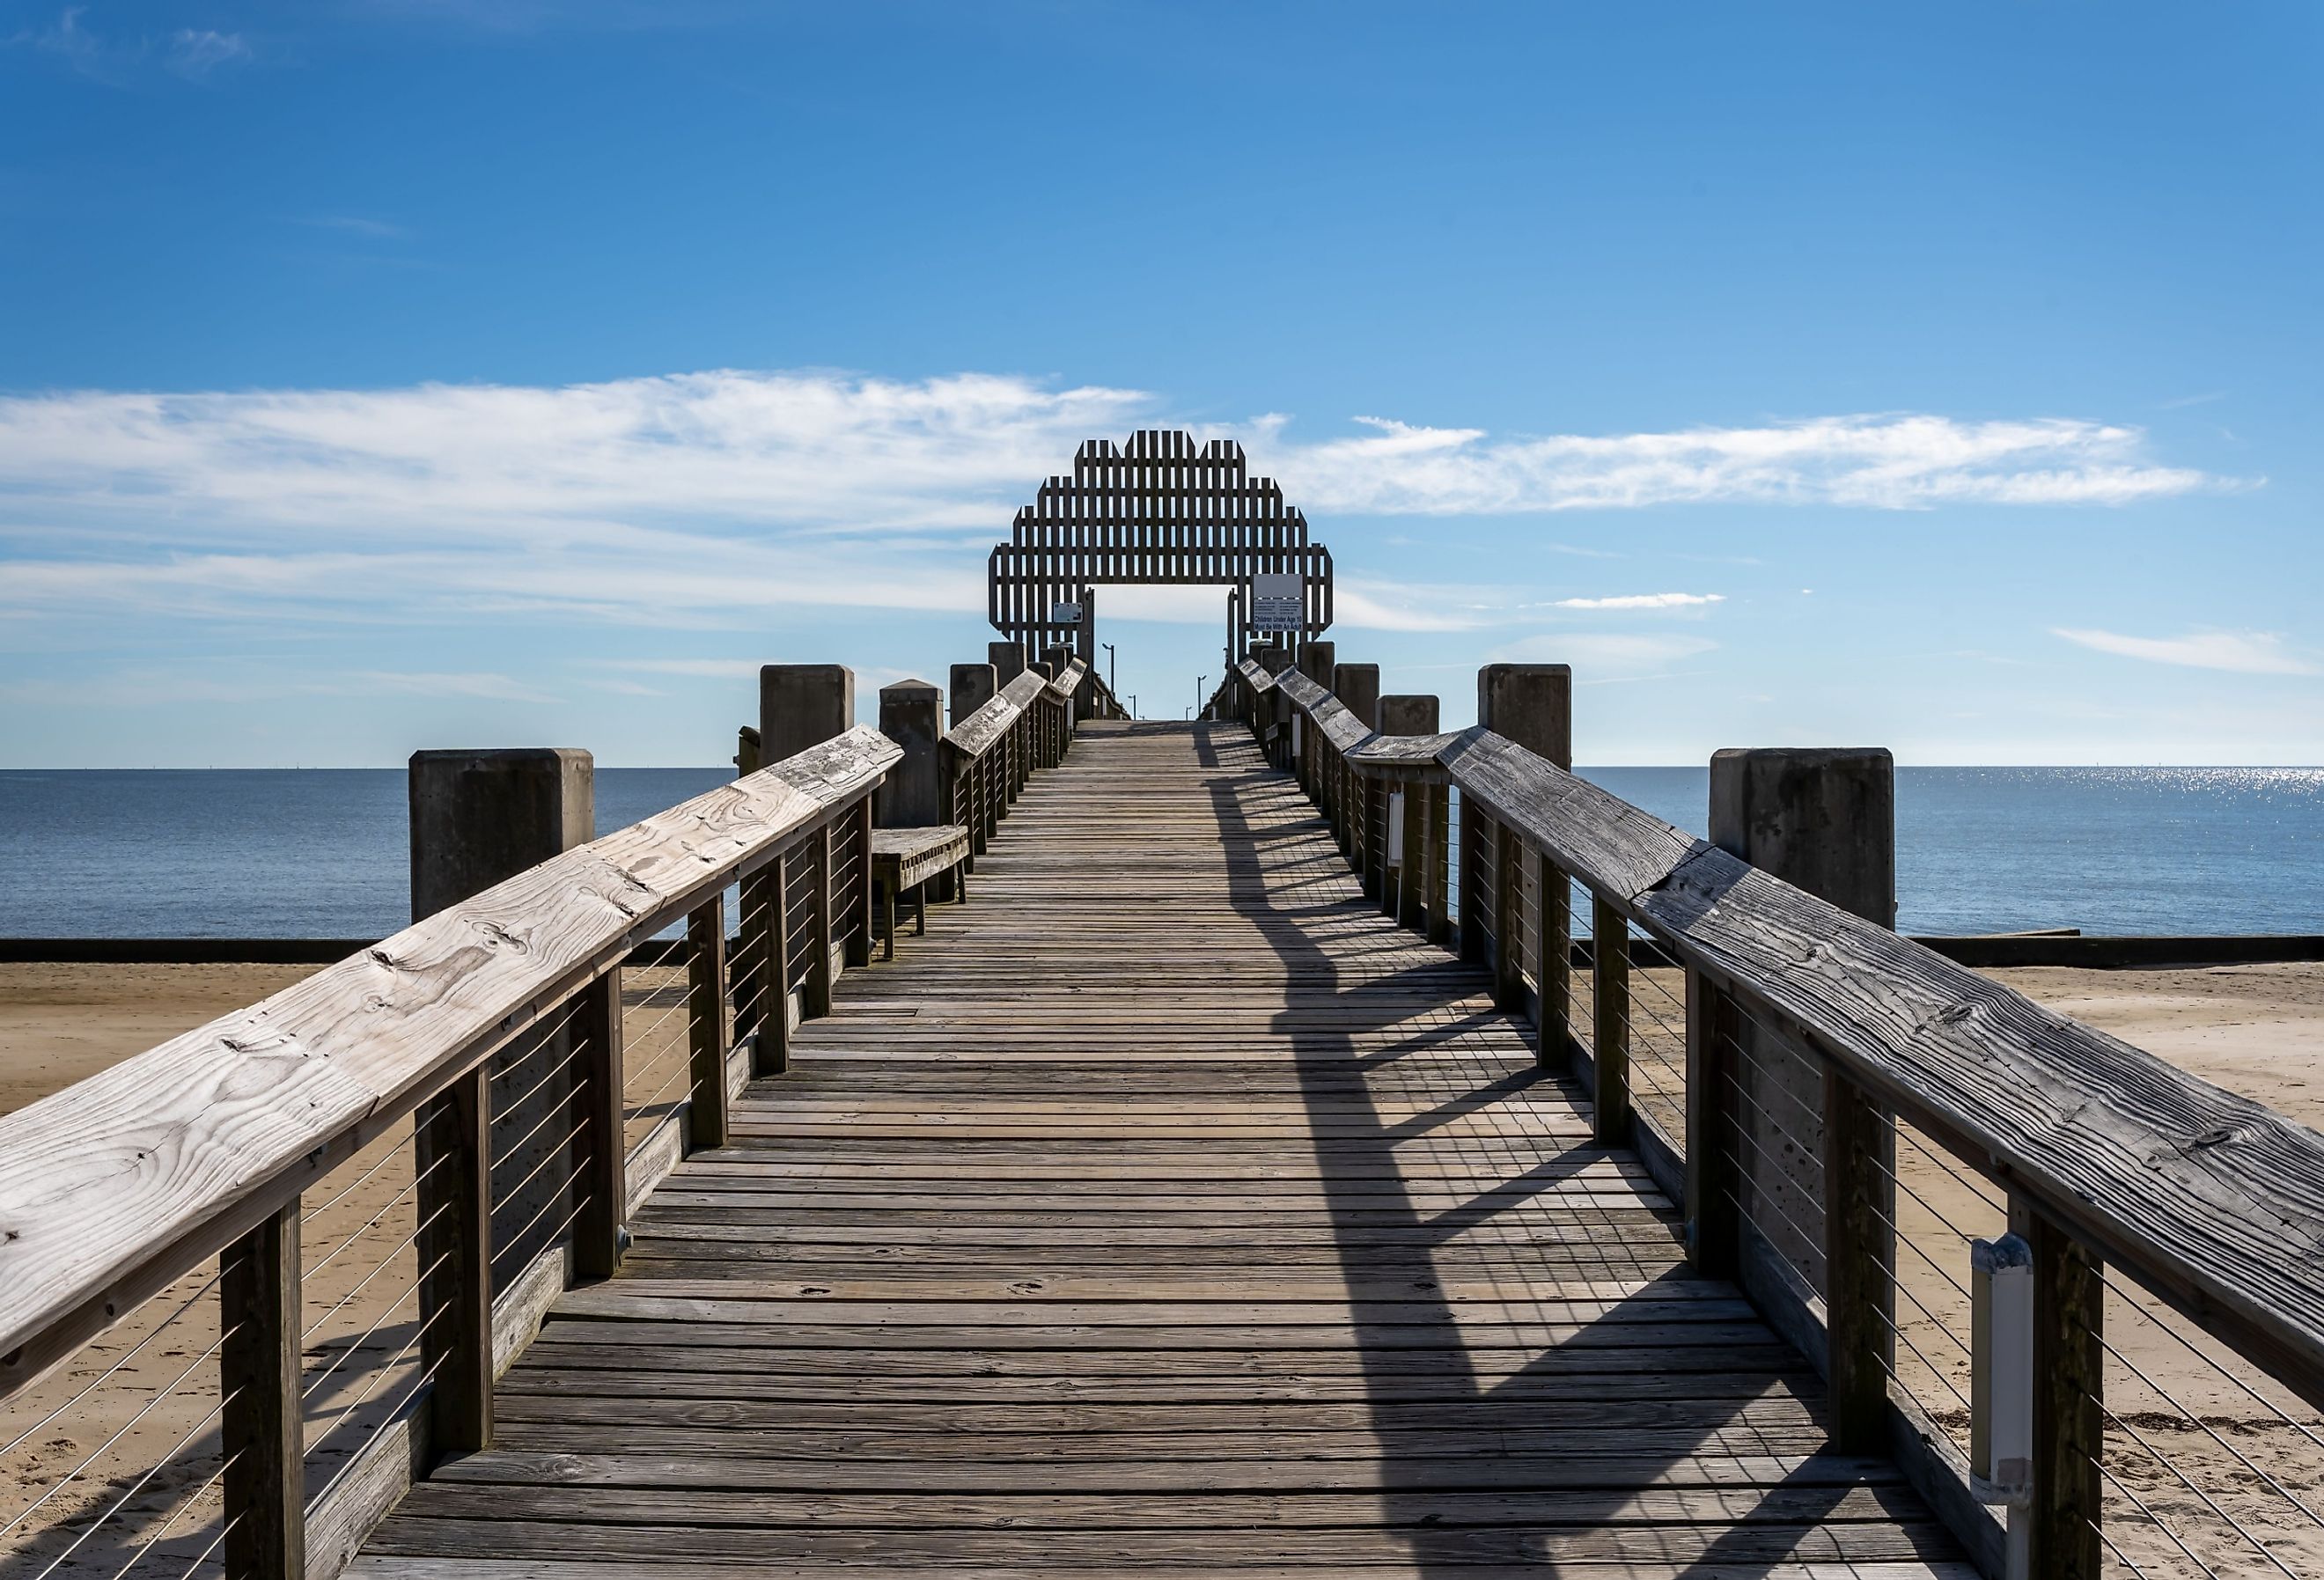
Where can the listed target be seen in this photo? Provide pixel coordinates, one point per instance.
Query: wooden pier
(1300, 1142)
(1169, 1210)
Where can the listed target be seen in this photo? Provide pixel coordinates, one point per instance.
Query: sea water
(323, 852)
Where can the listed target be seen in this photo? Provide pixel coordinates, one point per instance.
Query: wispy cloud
(1644, 601)
(1886, 461)
(191, 53)
(196, 52)
(243, 685)
(2246, 652)
(714, 496)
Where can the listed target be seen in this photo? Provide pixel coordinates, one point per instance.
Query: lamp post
(1198, 691)
(1133, 705)
(1110, 676)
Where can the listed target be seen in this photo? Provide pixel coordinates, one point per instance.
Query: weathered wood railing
(473, 1065)
(1808, 1042)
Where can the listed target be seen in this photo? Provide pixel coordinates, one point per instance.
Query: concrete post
(971, 687)
(912, 795)
(479, 817)
(1822, 820)
(1008, 660)
(802, 705)
(1532, 705)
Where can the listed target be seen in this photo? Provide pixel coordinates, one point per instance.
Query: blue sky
(386, 373)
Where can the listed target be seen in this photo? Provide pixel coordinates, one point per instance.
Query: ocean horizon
(323, 852)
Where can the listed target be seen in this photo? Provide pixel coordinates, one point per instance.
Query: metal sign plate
(1278, 603)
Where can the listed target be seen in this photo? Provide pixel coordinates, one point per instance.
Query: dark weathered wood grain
(2215, 1200)
(1167, 1208)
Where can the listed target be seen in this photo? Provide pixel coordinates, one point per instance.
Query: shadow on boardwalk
(1724, 1525)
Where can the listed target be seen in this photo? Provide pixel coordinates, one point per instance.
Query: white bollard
(2001, 1382)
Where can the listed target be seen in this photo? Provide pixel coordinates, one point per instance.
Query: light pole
(1133, 705)
(1198, 692)
(1110, 676)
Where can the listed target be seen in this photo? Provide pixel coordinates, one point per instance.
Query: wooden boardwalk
(1167, 1210)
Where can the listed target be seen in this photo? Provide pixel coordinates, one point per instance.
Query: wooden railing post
(1713, 1185)
(1472, 853)
(1439, 864)
(1407, 714)
(1372, 878)
(971, 686)
(479, 818)
(859, 898)
(1509, 918)
(1609, 994)
(706, 1026)
(1859, 1265)
(603, 1150)
(1040, 713)
(1552, 961)
(452, 1153)
(802, 705)
(1816, 1150)
(766, 923)
(2063, 1540)
(263, 1438)
(815, 990)
(1412, 856)
(1531, 704)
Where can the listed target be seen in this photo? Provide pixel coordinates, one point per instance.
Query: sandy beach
(2257, 1029)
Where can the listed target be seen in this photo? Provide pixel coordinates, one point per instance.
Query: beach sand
(2256, 1030)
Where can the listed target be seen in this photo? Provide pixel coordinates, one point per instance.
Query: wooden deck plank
(1168, 1212)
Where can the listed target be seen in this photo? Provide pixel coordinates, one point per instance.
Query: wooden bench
(906, 859)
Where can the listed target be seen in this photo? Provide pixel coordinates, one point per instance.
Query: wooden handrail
(114, 1186)
(981, 731)
(2213, 1200)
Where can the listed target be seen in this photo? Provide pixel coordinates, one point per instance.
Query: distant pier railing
(272, 1266)
(1827, 1098)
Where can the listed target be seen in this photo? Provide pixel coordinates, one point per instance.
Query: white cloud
(2246, 652)
(1644, 601)
(192, 54)
(717, 495)
(242, 685)
(198, 51)
(1889, 461)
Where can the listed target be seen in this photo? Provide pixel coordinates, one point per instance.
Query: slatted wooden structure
(1169, 1211)
(1163, 509)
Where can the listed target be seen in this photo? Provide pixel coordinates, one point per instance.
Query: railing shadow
(1445, 1442)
